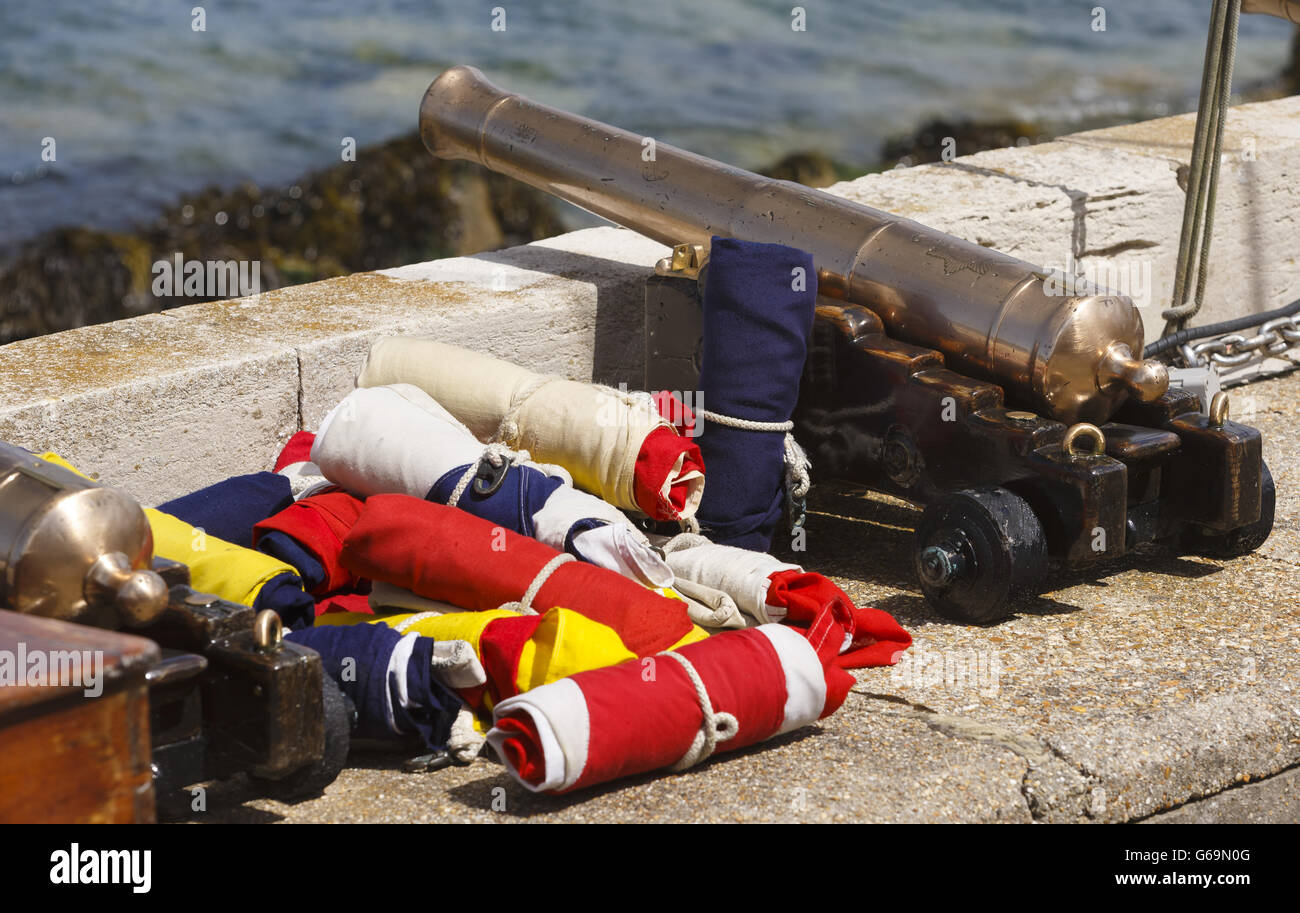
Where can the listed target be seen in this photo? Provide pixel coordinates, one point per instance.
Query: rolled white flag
(615, 443)
(742, 574)
(399, 440)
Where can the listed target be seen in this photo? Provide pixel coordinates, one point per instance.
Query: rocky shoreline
(395, 204)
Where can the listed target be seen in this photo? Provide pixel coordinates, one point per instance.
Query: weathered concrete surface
(1275, 800)
(1253, 262)
(150, 404)
(1162, 681)
(845, 769)
(571, 305)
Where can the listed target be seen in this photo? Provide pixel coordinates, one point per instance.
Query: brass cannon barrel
(1073, 357)
(1282, 9)
(71, 548)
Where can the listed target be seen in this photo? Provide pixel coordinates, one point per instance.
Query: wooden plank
(66, 756)
(87, 762)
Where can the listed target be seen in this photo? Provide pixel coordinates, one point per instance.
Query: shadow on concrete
(857, 535)
(225, 802)
(619, 343)
(517, 802)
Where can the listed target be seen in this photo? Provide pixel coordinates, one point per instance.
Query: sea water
(141, 105)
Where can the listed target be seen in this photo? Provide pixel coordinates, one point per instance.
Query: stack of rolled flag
(467, 536)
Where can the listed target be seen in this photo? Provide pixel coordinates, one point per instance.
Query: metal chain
(1273, 339)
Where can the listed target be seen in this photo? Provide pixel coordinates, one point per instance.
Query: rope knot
(508, 428)
(498, 458)
(508, 432)
(715, 727)
(725, 726)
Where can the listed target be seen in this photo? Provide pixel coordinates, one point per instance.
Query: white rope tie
(635, 399)
(714, 728)
(524, 605)
(508, 428)
(507, 432)
(797, 481)
(797, 464)
(684, 541)
(495, 455)
(744, 423)
(464, 743)
(401, 627)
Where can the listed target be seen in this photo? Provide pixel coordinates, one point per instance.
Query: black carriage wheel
(311, 779)
(976, 551)
(1240, 541)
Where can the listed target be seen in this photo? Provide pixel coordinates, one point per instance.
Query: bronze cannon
(940, 371)
(992, 316)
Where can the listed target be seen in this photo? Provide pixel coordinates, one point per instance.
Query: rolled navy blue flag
(758, 314)
(229, 509)
(284, 595)
(281, 545)
(524, 491)
(389, 678)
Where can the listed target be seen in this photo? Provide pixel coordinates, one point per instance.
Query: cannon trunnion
(1004, 489)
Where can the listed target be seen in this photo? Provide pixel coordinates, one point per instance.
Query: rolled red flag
(664, 460)
(871, 637)
(733, 690)
(296, 450)
(319, 524)
(443, 553)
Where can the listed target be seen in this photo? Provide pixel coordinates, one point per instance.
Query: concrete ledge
(149, 404)
(166, 403)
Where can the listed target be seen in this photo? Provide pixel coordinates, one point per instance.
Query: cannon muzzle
(1282, 9)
